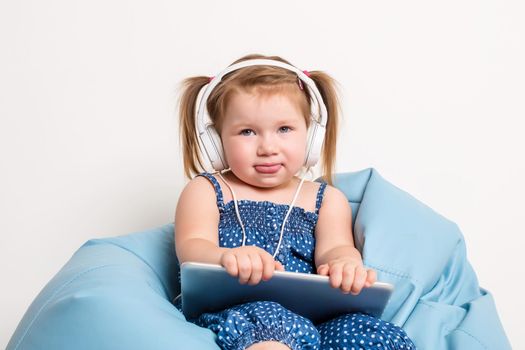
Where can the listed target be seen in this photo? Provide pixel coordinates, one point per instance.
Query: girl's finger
(229, 262)
(268, 266)
(371, 277)
(244, 265)
(359, 280)
(279, 266)
(257, 269)
(348, 277)
(335, 273)
(323, 270)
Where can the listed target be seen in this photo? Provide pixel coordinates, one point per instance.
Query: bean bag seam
(473, 337)
(397, 274)
(165, 289)
(58, 290)
(449, 330)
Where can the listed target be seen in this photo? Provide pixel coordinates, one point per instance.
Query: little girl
(261, 122)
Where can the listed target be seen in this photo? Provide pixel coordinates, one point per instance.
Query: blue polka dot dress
(246, 324)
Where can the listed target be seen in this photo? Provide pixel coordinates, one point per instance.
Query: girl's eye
(246, 132)
(285, 129)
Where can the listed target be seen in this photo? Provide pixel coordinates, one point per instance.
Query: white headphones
(211, 141)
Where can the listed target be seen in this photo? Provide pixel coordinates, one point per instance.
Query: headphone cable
(285, 217)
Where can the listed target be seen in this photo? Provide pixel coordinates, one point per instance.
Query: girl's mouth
(268, 168)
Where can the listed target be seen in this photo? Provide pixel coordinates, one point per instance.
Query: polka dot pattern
(262, 222)
(243, 325)
(246, 324)
(360, 331)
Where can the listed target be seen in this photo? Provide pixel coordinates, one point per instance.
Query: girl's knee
(268, 345)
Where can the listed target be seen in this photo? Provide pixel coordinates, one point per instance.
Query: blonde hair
(262, 80)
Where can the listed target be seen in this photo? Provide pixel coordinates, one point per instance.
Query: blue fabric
(245, 324)
(362, 332)
(241, 326)
(437, 298)
(116, 293)
(262, 223)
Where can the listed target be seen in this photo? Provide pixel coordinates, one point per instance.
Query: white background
(432, 94)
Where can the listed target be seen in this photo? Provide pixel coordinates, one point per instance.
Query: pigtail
(188, 132)
(327, 87)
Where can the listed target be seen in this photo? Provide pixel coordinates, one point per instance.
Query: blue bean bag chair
(116, 293)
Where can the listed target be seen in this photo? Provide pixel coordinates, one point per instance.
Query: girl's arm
(196, 224)
(335, 252)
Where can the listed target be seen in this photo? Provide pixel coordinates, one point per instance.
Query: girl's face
(264, 138)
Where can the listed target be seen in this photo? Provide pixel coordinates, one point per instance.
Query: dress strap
(320, 195)
(217, 187)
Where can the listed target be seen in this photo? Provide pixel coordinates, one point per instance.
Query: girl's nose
(267, 146)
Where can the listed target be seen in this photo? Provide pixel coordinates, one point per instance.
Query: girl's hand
(251, 264)
(349, 274)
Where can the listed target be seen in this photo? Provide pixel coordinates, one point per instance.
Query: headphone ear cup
(218, 160)
(314, 144)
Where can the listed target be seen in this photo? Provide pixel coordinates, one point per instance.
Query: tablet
(209, 288)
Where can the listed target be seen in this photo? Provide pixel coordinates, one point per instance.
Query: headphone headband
(211, 140)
